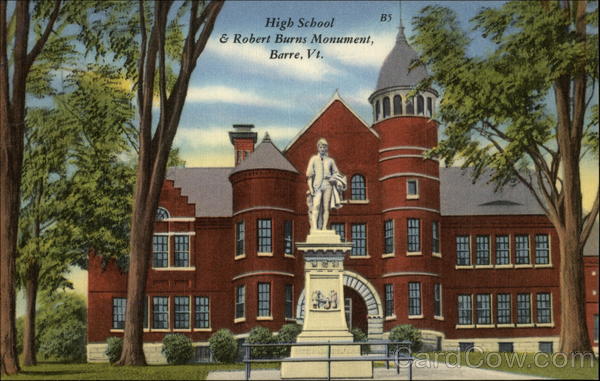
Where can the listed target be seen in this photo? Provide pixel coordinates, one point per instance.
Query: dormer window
(386, 107)
(161, 214)
(397, 105)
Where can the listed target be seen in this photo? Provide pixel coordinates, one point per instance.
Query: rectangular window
(160, 251)
(202, 312)
(437, 299)
(596, 328)
(145, 312)
(118, 313)
(340, 229)
(160, 312)
(522, 249)
(414, 298)
(484, 314)
(289, 301)
(412, 188)
(389, 300)
(546, 347)
(482, 253)
(502, 250)
(505, 347)
(359, 239)
(388, 234)
(542, 249)
(523, 309)
(463, 250)
(466, 346)
(544, 308)
(287, 237)
(465, 312)
(414, 239)
(504, 309)
(240, 301)
(264, 299)
(435, 237)
(182, 312)
(240, 233)
(263, 227)
(182, 251)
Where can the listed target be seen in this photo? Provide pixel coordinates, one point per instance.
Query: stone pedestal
(324, 318)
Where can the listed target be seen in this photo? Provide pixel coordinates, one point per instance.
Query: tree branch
(37, 48)
(142, 58)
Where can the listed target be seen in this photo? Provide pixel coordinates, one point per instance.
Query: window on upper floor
(240, 302)
(264, 299)
(542, 249)
(523, 308)
(502, 250)
(412, 189)
(465, 312)
(397, 105)
(388, 236)
(482, 253)
(160, 312)
(182, 250)
(429, 106)
(435, 237)
(377, 110)
(420, 105)
(288, 246)
(437, 299)
(414, 235)
(240, 231)
(463, 250)
(359, 240)
(264, 235)
(389, 300)
(340, 229)
(288, 307)
(160, 251)
(161, 214)
(386, 107)
(414, 298)
(358, 187)
(202, 312)
(484, 309)
(410, 107)
(544, 307)
(522, 249)
(503, 309)
(118, 313)
(182, 312)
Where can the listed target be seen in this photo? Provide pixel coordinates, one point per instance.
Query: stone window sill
(506, 266)
(464, 326)
(260, 318)
(241, 256)
(289, 256)
(360, 257)
(484, 266)
(505, 325)
(412, 197)
(439, 318)
(545, 325)
(524, 266)
(415, 317)
(485, 326)
(265, 254)
(413, 253)
(355, 202)
(392, 317)
(438, 255)
(117, 330)
(182, 330)
(388, 255)
(191, 268)
(290, 319)
(463, 267)
(160, 330)
(239, 320)
(525, 325)
(202, 329)
(543, 265)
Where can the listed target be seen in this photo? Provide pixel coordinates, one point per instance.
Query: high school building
(466, 265)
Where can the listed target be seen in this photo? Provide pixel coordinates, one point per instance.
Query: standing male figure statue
(325, 185)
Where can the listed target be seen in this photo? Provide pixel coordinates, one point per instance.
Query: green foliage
(262, 335)
(114, 347)
(20, 329)
(359, 335)
(175, 159)
(287, 334)
(178, 349)
(223, 346)
(61, 327)
(406, 332)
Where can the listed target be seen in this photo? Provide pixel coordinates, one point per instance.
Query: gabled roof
(265, 156)
(459, 196)
(591, 246)
(336, 97)
(208, 188)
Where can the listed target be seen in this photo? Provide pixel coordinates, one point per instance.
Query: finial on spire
(400, 35)
(267, 138)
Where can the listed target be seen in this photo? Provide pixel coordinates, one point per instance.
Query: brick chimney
(243, 139)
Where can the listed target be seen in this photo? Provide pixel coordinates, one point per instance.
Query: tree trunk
(31, 289)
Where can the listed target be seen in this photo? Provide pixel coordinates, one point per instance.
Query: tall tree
(522, 112)
(150, 58)
(13, 79)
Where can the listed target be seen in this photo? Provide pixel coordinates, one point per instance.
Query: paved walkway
(425, 370)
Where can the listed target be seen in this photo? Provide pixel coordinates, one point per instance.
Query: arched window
(377, 110)
(386, 107)
(420, 105)
(161, 214)
(410, 107)
(430, 106)
(359, 187)
(397, 105)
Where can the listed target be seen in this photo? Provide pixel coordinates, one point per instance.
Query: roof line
(336, 97)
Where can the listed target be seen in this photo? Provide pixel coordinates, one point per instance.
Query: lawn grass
(104, 371)
(523, 363)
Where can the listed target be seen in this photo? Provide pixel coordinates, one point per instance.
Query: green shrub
(359, 335)
(262, 335)
(407, 332)
(178, 349)
(287, 334)
(114, 349)
(65, 342)
(223, 346)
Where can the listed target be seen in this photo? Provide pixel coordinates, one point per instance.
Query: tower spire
(400, 35)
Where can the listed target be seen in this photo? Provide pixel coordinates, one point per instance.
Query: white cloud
(362, 55)
(225, 94)
(255, 57)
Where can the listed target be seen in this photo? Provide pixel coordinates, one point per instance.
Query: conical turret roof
(265, 156)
